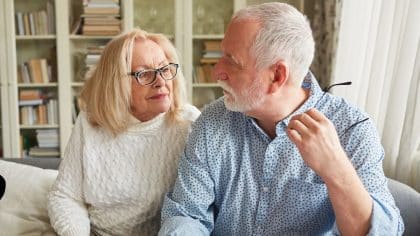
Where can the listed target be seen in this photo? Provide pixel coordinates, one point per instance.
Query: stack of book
(35, 70)
(101, 17)
(92, 56)
(211, 55)
(36, 23)
(48, 145)
(37, 108)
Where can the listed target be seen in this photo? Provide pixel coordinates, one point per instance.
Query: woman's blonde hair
(106, 95)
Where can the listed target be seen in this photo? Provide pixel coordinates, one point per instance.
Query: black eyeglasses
(328, 89)
(148, 76)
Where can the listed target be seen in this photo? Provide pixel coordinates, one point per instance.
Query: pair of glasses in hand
(326, 91)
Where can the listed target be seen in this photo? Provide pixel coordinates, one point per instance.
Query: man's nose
(219, 74)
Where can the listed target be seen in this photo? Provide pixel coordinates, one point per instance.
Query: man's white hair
(284, 34)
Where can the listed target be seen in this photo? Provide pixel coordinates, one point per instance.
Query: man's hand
(318, 143)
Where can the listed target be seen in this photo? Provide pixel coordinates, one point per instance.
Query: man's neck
(278, 107)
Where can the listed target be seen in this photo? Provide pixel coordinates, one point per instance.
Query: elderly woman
(123, 153)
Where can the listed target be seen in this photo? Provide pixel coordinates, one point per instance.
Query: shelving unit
(4, 144)
(188, 23)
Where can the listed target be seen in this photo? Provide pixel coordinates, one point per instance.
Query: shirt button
(265, 189)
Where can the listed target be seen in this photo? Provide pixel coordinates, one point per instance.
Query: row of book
(33, 94)
(101, 17)
(43, 114)
(37, 22)
(37, 107)
(36, 70)
(210, 56)
(203, 73)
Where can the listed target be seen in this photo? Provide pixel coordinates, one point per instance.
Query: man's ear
(280, 72)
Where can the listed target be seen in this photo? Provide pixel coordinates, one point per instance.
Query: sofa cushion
(408, 201)
(23, 208)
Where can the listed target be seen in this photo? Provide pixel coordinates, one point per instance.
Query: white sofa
(23, 207)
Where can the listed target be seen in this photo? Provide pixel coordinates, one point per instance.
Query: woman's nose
(160, 81)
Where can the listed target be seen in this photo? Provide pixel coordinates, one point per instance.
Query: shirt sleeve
(363, 147)
(189, 208)
(66, 207)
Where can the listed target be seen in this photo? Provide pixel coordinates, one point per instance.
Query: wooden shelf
(35, 37)
(39, 126)
(87, 37)
(21, 85)
(77, 84)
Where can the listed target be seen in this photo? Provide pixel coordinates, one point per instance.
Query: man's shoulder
(216, 106)
(189, 112)
(215, 111)
(339, 107)
(345, 115)
(217, 114)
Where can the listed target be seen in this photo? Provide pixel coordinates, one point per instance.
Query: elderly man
(276, 155)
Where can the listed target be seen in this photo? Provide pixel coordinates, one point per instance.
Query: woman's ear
(280, 74)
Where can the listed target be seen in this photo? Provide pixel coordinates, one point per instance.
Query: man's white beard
(246, 100)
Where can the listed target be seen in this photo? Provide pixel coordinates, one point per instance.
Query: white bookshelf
(4, 105)
(174, 18)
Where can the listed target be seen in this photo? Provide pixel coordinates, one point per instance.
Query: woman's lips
(159, 96)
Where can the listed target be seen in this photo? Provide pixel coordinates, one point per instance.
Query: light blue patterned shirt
(234, 180)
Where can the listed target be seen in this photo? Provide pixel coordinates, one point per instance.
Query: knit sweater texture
(115, 185)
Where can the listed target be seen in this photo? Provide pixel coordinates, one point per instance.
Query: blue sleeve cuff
(384, 221)
(185, 226)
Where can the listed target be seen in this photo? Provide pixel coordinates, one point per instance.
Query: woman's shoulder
(82, 119)
(82, 122)
(189, 112)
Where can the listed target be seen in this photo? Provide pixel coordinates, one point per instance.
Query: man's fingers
(316, 115)
(308, 121)
(297, 125)
(294, 136)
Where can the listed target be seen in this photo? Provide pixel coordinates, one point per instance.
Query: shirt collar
(315, 93)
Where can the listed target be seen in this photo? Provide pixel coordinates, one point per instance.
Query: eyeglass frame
(137, 74)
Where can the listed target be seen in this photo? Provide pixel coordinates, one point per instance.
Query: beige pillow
(23, 208)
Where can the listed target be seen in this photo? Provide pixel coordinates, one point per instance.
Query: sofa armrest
(408, 201)
(41, 162)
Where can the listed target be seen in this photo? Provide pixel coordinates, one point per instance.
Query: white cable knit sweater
(115, 186)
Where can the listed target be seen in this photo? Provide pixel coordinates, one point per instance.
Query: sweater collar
(138, 126)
